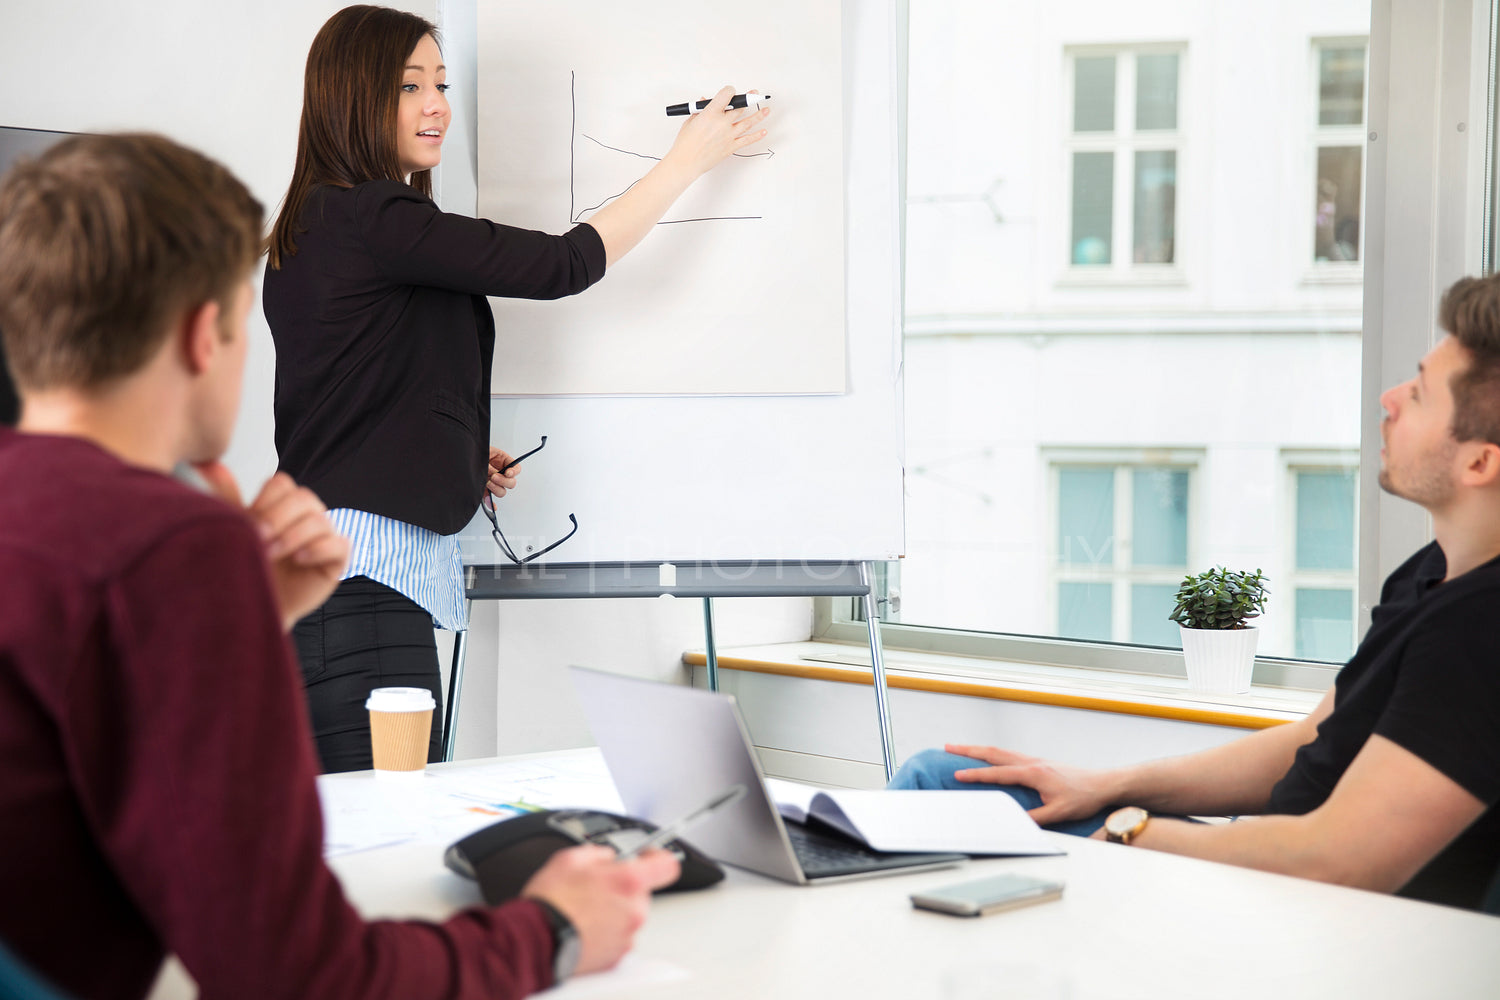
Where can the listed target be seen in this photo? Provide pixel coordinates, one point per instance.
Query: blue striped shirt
(419, 564)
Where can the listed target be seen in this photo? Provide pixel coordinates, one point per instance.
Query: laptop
(670, 748)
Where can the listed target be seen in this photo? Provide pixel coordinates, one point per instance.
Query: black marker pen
(750, 100)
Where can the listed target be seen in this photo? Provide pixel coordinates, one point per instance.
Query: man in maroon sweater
(156, 773)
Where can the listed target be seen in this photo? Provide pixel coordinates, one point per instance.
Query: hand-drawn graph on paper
(740, 288)
(591, 147)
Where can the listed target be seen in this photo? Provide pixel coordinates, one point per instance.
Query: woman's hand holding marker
(705, 140)
(720, 130)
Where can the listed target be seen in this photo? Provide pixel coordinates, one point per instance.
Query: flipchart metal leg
(456, 683)
(708, 638)
(877, 664)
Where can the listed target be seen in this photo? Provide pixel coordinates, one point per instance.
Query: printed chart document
(447, 803)
(890, 820)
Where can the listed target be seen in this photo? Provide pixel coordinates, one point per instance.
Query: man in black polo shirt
(1392, 782)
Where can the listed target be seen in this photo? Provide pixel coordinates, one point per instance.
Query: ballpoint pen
(677, 827)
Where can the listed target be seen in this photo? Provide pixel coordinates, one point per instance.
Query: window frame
(1424, 226)
(1120, 575)
(1491, 199)
(1293, 462)
(1123, 143)
(1332, 272)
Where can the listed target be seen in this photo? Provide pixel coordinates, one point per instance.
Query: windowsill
(1335, 273)
(1131, 276)
(1070, 687)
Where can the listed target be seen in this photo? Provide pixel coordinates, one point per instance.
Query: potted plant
(1217, 645)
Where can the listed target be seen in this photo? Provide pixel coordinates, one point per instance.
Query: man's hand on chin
(306, 555)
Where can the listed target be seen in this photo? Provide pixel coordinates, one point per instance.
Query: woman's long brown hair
(348, 131)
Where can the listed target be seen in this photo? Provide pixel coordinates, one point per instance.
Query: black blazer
(384, 342)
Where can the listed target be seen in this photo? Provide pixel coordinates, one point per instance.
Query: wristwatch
(1124, 825)
(565, 943)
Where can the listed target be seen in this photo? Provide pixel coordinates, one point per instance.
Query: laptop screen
(670, 748)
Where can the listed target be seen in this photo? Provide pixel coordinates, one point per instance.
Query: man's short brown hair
(104, 241)
(1470, 311)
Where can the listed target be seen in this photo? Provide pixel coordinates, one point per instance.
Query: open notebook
(970, 822)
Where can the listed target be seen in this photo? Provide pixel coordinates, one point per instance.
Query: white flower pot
(1219, 660)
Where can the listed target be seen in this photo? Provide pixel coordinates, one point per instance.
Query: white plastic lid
(400, 700)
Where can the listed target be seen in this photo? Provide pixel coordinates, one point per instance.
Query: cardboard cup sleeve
(400, 727)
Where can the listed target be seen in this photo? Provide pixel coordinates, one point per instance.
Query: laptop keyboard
(822, 855)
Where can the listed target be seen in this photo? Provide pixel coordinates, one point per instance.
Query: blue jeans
(929, 769)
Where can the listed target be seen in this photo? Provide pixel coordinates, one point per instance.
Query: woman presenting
(376, 302)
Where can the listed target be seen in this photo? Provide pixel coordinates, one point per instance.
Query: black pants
(364, 637)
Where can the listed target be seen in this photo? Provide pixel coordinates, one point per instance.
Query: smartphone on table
(988, 895)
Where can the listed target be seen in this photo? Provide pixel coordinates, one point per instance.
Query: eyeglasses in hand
(488, 506)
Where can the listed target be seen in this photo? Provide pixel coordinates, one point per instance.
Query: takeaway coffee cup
(400, 725)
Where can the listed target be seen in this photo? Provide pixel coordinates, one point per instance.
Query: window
(1123, 148)
(1339, 151)
(1121, 550)
(1037, 410)
(1323, 559)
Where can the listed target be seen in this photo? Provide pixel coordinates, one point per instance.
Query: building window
(1121, 550)
(1123, 157)
(1339, 149)
(1323, 561)
(1192, 349)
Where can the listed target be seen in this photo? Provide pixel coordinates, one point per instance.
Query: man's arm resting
(1235, 778)
(1389, 815)
(1230, 780)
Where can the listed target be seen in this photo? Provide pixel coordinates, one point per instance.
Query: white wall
(222, 77)
(826, 731)
(639, 637)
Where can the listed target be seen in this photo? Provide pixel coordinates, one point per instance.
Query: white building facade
(1133, 313)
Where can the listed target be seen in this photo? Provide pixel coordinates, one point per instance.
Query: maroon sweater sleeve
(194, 765)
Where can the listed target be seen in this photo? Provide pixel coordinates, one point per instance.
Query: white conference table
(1131, 924)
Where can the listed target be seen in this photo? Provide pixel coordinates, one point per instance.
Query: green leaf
(1219, 598)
